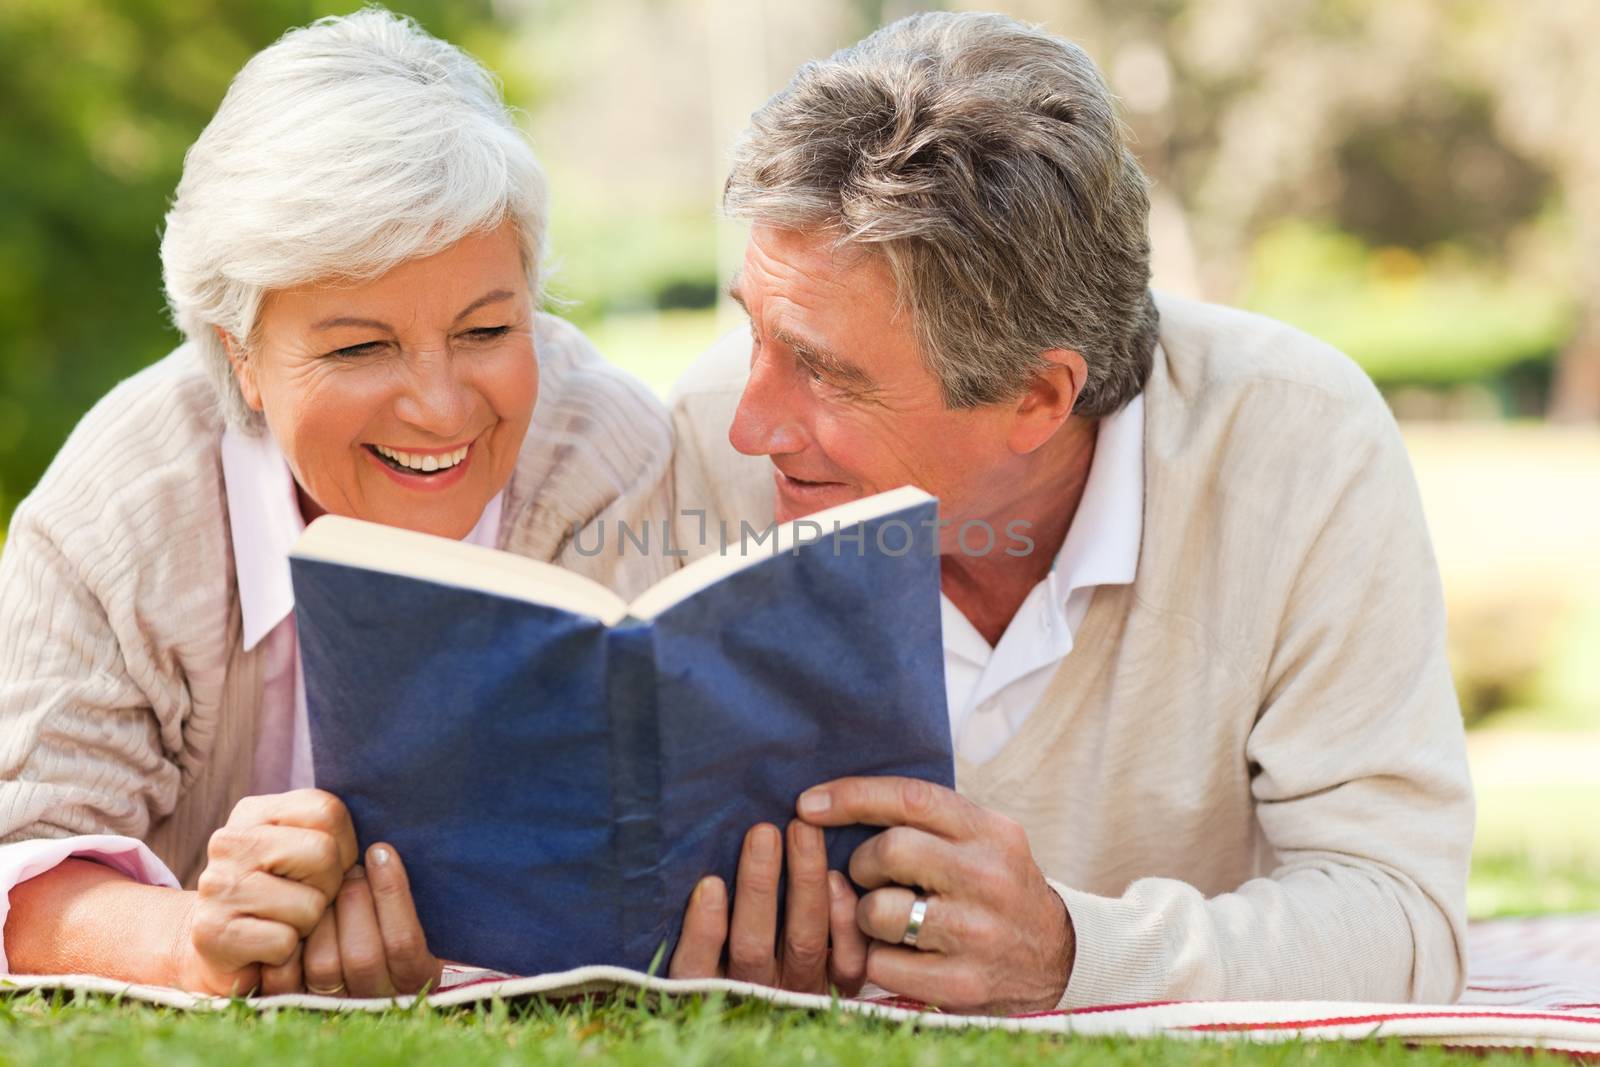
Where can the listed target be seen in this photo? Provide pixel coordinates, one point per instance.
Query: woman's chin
(451, 515)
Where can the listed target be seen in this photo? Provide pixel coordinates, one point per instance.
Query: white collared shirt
(992, 691)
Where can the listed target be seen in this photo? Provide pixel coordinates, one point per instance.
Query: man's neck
(990, 588)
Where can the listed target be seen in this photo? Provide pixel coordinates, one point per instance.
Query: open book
(558, 767)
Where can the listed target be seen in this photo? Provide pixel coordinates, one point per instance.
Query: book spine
(636, 790)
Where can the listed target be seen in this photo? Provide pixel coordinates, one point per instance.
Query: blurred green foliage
(1439, 316)
(1434, 201)
(102, 99)
(610, 263)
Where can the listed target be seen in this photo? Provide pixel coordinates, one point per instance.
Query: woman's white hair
(343, 149)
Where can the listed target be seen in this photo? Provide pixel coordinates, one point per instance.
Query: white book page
(373, 546)
(703, 573)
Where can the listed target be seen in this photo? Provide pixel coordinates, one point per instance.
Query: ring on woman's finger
(335, 991)
(919, 912)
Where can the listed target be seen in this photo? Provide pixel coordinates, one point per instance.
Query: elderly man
(1207, 745)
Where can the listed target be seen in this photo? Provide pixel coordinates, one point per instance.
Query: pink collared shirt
(264, 516)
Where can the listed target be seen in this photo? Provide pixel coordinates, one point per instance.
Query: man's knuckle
(406, 946)
(873, 911)
(989, 882)
(916, 796)
(895, 847)
(411, 979)
(969, 927)
(805, 954)
(365, 963)
(1008, 831)
(760, 880)
(748, 952)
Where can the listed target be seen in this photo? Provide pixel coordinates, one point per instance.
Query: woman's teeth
(420, 463)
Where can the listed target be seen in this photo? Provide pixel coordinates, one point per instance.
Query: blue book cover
(558, 768)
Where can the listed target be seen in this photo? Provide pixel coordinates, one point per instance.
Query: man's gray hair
(985, 160)
(345, 148)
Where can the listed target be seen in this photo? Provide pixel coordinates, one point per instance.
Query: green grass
(38, 1030)
(1516, 882)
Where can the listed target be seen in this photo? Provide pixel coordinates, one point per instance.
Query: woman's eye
(487, 333)
(365, 349)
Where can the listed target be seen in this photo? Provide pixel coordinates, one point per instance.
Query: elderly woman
(353, 256)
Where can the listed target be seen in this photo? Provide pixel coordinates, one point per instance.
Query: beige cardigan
(1248, 779)
(127, 702)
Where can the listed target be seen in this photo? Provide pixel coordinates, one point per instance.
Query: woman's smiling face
(402, 400)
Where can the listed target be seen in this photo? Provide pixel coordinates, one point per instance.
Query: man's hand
(995, 938)
(270, 874)
(370, 942)
(820, 907)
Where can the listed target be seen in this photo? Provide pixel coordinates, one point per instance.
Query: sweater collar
(265, 521)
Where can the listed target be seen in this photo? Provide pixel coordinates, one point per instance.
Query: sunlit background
(1412, 180)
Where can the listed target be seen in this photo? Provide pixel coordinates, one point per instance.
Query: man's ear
(1047, 404)
(244, 371)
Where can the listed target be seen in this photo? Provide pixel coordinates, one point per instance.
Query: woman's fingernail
(764, 843)
(379, 856)
(815, 802)
(357, 871)
(835, 885)
(710, 892)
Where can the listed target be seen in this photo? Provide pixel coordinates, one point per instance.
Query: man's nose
(434, 398)
(768, 419)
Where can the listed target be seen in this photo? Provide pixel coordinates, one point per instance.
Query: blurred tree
(1407, 122)
(1538, 60)
(103, 97)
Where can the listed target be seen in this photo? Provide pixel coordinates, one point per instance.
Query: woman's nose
(435, 399)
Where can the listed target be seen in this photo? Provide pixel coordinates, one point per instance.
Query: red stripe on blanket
(1351, 1020)
(1097, 1008)
(908, 1004)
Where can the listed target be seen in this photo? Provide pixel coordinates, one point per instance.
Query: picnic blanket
(1532, 983)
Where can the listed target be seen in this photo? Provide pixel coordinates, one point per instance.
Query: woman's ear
(1047, 403)
(244, 371)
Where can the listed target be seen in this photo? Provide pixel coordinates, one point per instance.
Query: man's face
(839, 397)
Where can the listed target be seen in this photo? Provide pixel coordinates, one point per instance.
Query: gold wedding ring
(335, 991)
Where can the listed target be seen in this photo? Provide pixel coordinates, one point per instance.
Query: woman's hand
(370, 943)
(271, 873)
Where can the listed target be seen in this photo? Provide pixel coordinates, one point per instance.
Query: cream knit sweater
(127, 702)
(1248, 779)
